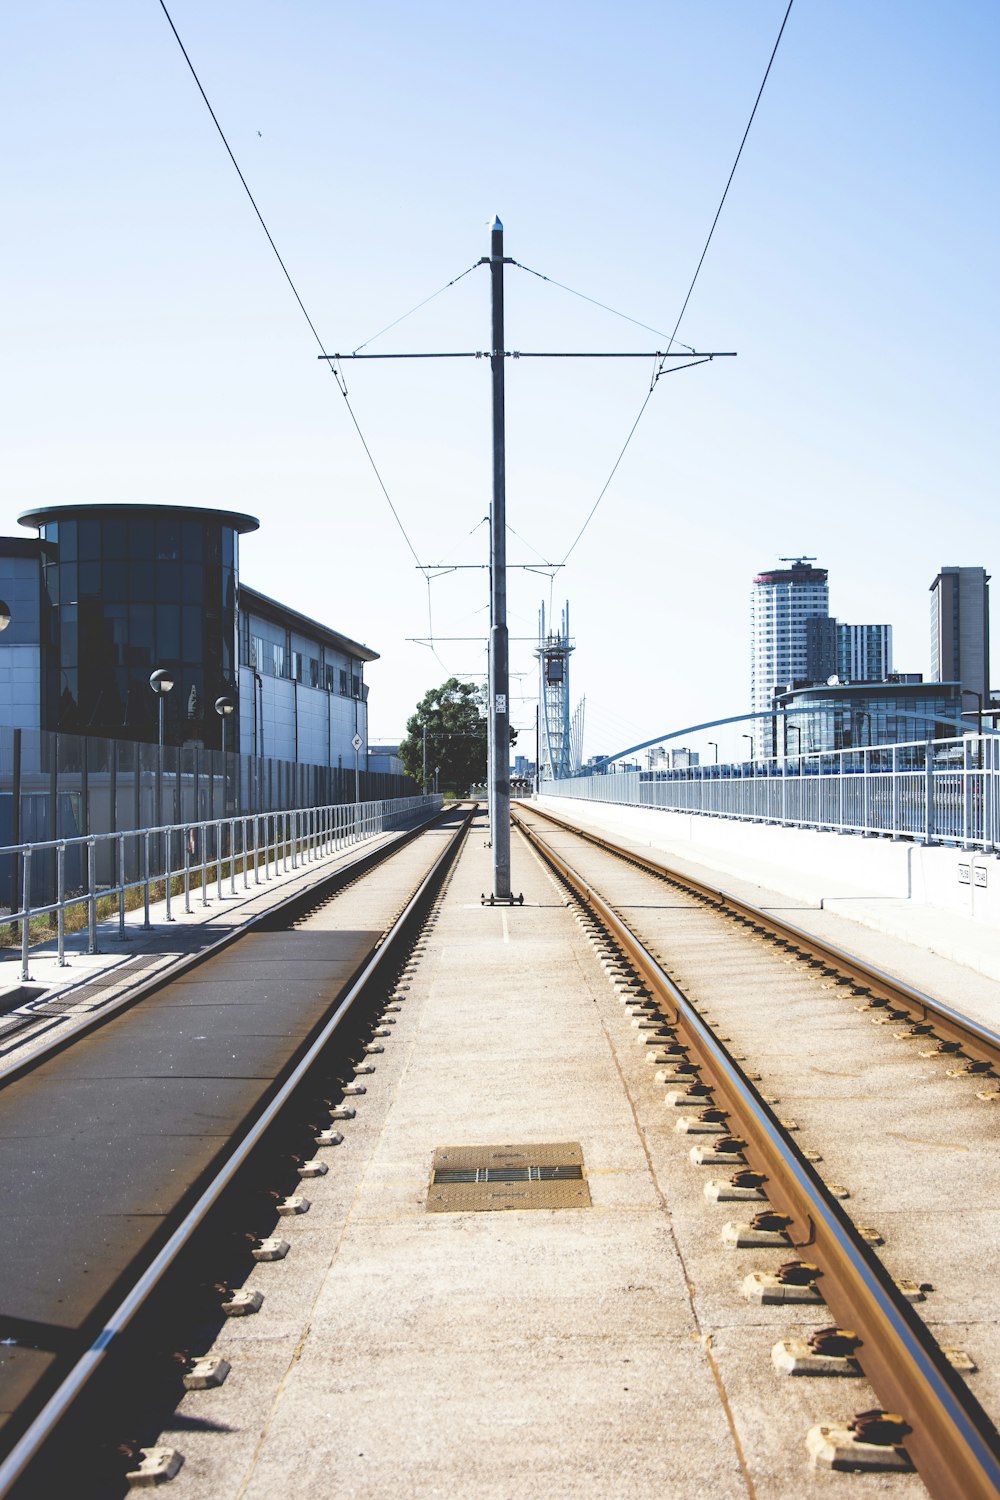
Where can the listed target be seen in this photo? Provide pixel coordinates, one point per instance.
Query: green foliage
(454, 716)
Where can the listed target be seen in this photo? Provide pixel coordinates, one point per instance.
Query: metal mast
(499, 686)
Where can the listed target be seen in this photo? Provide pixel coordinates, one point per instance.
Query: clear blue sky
(152, 351)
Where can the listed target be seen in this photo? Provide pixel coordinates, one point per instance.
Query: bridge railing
(178, 861)
(934, 791)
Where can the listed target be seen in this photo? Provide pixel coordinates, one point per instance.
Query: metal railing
(934, 791)
(186, 858)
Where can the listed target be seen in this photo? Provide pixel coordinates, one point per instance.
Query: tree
(455, 719)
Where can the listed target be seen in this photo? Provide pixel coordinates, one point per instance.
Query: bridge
(309, 1150)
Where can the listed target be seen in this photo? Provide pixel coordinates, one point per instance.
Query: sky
(152, 351)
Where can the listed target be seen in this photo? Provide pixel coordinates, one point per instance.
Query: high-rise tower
(783, 600)
(960, 629)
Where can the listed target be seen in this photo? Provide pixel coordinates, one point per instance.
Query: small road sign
(357, 742)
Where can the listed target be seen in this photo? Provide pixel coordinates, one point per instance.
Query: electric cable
(660, 333)
(701, 260)
(402, 318)
(338, 377)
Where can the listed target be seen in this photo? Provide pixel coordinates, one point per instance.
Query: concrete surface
(594, 1352)
(853, 891)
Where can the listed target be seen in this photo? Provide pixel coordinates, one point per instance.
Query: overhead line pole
(498, 675)
(498, 718)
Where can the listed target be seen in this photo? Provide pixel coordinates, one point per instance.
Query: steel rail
(972, 1039)
(953, 1444)
(328, 883)
(28, 1447)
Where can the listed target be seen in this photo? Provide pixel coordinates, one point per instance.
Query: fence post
(168, 838)
(145, 880)
(897, 795)
(25, 911)
(61, 897)
(121, 886)
(92, 895)
(203, 860)
(989, 791)
(929, 792)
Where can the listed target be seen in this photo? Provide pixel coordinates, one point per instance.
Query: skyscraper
(783, 600)
(960, 629)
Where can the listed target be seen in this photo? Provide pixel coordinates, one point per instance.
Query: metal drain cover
(477, 1179)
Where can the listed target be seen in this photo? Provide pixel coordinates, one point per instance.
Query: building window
(257, 652)
(343, 681)
(314, 672)
(297, 665)
(277, 659)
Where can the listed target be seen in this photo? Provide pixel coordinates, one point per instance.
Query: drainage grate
(476, 1179)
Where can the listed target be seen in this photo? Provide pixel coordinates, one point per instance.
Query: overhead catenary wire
(595, 303)
(403, 316)
(684, 306)
(338, 377)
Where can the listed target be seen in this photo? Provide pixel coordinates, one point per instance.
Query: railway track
(701, 954)
(127, 1147)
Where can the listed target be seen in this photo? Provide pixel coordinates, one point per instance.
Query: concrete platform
(584, 1352)
(57, 997)
(850, 891)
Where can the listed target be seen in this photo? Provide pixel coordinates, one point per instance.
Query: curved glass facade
(126, 590)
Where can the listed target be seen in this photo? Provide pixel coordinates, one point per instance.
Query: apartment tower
(783, 600)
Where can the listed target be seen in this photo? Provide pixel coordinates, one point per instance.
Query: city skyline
(153, 352)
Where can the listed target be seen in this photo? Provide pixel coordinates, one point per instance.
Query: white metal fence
(183, 858)
(938, 791)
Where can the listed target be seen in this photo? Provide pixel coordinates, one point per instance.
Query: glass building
(128, 589)
(852, 717)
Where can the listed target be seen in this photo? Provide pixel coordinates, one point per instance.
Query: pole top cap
(495, 225)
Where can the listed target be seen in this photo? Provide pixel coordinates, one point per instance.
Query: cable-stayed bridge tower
(555, 736)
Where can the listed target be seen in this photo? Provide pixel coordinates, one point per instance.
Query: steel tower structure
(555, 740)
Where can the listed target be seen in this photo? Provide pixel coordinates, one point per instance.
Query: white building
(783, 600)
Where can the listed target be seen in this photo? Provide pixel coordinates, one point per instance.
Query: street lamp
(224, 707)
(750, 738)
(162, 683)
(797, 729)
(715, 746)
(4, 615)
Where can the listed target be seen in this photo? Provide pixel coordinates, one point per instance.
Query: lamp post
(224, 707)
(715, 746)
(4, 615)
(162, 683)
(750, 738)
(796, 729)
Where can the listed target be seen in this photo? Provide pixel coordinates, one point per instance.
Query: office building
(960, 630)
(784, 600)
(106, 594)
(848, 716)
